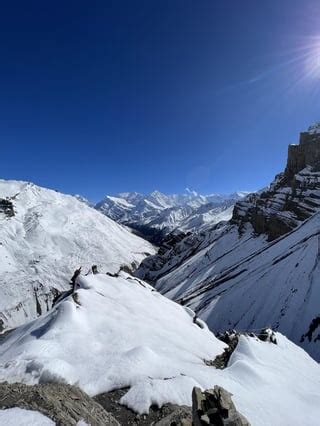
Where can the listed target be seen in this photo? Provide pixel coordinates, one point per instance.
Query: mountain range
(155, 215)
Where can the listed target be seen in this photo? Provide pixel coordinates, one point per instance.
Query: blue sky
(106, 96)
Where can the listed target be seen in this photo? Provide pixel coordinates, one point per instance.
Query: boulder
(215, 407)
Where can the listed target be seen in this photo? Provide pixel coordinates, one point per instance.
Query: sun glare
(313, 61)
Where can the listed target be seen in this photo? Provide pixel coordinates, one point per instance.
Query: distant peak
(191, 192)
(157, 193)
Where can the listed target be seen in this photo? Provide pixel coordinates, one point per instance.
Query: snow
(50, 236)
(128, 335)
(20, 417)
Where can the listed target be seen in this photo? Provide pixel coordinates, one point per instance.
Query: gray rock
(215, 407)
(64, 404)
(181, 416)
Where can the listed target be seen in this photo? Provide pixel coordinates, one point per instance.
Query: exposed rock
(6, 207)
(181, 416)
(231, 338)
(315, 323)
(64, 404)
(267, 335)
(283, 206)
(307, 153)
(167, 415)
(215, 407)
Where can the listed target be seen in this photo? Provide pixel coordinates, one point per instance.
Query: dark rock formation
(267, 335)
(215, 407)
(307, 153)
(6, 207)
(231, 339)
(64, 404)
(314, 325)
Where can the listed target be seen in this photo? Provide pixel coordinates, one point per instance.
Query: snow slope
(276, 286)
(128, 335)
(50, 235)
(246, 282)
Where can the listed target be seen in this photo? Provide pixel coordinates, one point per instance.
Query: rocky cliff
(292, 197)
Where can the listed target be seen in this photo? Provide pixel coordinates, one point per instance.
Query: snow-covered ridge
(46, 238)
(128, 335)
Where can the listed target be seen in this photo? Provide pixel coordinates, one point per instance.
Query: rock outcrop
(307, 153)
(6, 207)
(64, 404)
(215, 407)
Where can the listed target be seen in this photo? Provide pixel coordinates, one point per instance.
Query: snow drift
(118, 332)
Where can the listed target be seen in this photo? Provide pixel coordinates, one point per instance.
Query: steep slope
(129, 336)
(156, 214)
(44, 237)
(260, 268)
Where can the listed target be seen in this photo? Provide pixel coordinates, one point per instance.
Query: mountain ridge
(44, 237)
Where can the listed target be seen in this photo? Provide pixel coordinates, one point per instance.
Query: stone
(181, 416)
(267, 335)
(215, 407)
(6, 207)
(64, 404)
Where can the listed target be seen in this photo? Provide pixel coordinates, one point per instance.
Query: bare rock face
(307, 153)
(64, 404)
(215, 407)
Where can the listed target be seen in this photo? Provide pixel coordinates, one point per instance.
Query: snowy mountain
(130, 337)
(44, 237)
(156, 214)
(261, 268)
